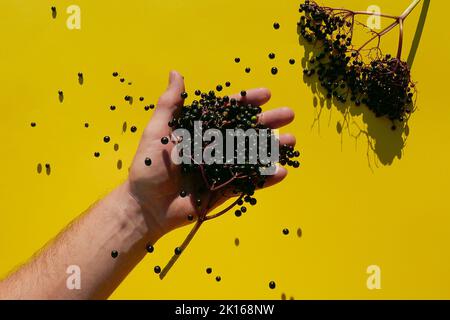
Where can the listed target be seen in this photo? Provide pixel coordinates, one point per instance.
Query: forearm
(115, 223)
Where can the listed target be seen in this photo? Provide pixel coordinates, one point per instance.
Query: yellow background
(355, 208)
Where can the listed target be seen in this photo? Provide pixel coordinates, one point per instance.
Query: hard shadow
(419, 31)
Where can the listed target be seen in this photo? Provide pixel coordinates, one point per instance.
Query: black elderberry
(149, 248)
(184, 95)
(274, 70)
(219, 88)
(285, 231)
(112, 108)
(243, 93)
(227, 84)
(106, 139)
(237, 60)
(291, 61)
(115, 74)
(133, 129)
(208, 270)
(96, 154)
(272, 285)
(190, 217)
(114, 254)
(148, 162)
(218, 278)
(247, 70)
(183, 193)
(164, 140)
(33, 124)
(177, 251)
(157, 269)
(238, 213)
(271, 55)
(276, 26)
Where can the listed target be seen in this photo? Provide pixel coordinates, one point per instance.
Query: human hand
(155, 182)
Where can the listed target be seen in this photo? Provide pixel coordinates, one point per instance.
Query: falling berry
(184, 95)
(115, 74)
(177, 251)
(274, 70)
(285, 231)
(237, 60)
(106, 139)
(148, 162)
(112, 108)
(86, 125)
(33, 124)
(190, 217)
(149, 248)
(272, 285)
(183, 193)
(133, 129)
(291, 61)
(247, 70)
(271, 55)
(114, 254)
(227, 84)
(208, 270)
(276, 26)
(96, 154)
(164, 140)
(218, 278)
(157, 269)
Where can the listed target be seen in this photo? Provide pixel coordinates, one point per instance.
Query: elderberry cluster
(383, 83)
(224, 113)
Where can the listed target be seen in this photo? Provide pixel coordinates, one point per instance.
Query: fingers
(288, 139)
(168, 103)
(256, 97)
(277, 118)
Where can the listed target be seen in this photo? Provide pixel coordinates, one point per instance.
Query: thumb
(168, 103)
